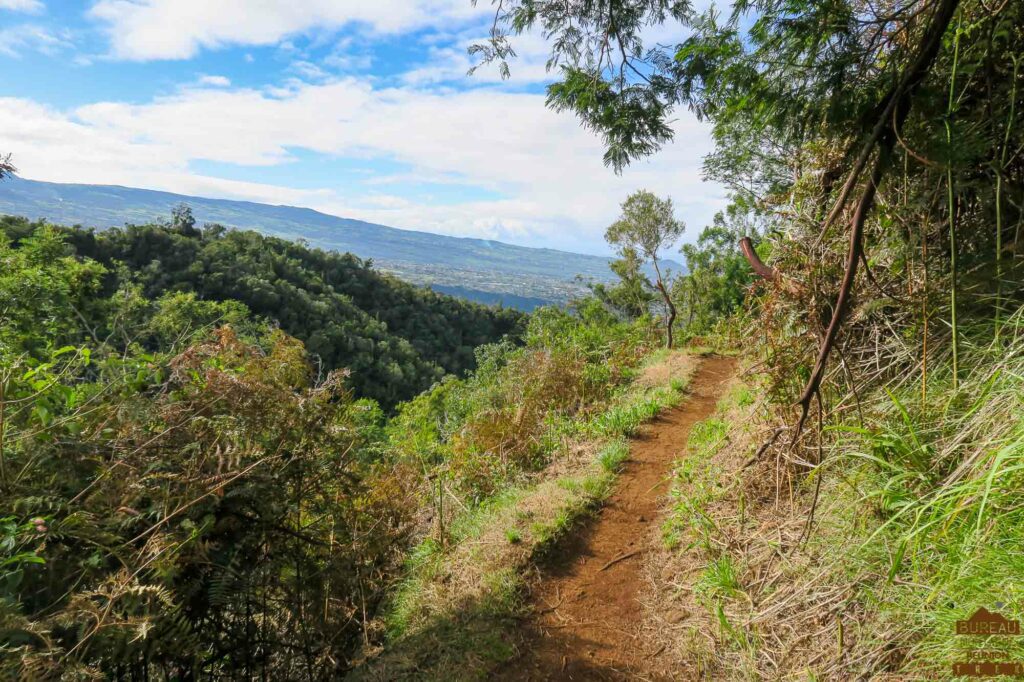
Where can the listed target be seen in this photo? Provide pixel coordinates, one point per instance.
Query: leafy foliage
(185, 495)
(645, 229)
(196, 515)
(482, 432)
(395, 339)
(718, 279)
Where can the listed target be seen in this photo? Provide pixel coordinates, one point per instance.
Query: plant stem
(3, 424)
(999, 200)
(668, 302)
(924, 314)
(951, 207)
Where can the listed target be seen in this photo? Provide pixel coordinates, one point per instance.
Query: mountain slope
(396, 339)
(472, 265)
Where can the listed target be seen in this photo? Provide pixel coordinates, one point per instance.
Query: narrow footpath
(585, 616)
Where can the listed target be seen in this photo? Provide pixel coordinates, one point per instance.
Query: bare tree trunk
(693, 301)
(671, 314)
(668, 303)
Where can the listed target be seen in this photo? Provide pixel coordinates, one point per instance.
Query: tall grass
(1000, 173)
(951, 205)
(945, 485)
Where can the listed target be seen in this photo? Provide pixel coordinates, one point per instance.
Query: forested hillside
(394, 338)
(227, 456)
(187, 492)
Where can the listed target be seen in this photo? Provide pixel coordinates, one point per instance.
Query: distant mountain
(477, 269)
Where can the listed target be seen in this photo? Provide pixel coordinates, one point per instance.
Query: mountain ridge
(471, 264)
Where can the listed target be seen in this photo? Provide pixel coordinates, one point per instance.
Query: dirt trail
(585, 611)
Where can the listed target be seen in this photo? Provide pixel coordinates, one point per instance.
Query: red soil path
(585, 617)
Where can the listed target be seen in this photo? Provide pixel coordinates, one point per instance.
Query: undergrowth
(939, 483)
(919, 522)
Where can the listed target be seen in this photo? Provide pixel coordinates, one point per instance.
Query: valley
(475, 269)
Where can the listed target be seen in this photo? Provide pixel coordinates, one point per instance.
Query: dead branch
(621, 557)
(760, 269)
(896, 107)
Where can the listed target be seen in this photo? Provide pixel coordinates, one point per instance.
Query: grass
(613, 455)
(920, 522)
(410, 604)
(454, 614)
(625, 417)
(719, 579)
(702, 488)
(944, 484)
(697, 485)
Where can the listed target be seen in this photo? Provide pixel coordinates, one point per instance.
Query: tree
(395, 338)
(717, 274)
(839, 97)
(631, 297)
(7, 169)
(648, 225)
(183, 222)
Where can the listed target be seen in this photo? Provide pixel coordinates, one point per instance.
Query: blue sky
(359, 108)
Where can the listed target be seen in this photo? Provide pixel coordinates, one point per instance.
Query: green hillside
(233, 455)
(394, 338)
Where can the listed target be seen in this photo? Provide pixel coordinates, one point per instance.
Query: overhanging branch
(760, 269)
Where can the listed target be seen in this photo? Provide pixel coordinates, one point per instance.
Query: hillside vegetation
(395, 339)
(189, 495)
(482, 270)
(192, 492)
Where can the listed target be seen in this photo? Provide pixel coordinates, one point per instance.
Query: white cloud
(449, 60)
(30, 6)
(450, 63)
(16, 40)
(178, 29)
(215, 81)
(547, 169)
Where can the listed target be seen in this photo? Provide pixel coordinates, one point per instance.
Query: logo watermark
(986, 663)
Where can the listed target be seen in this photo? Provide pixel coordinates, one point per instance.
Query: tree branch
(897, 107)
(760, 269)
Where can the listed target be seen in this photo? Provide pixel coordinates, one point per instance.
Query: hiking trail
(585, 618)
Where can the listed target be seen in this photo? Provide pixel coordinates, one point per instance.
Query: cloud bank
(427, 148)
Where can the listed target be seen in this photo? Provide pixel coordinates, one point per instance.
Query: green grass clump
(411, 602)
(625, 416)
(689, 521)
(945, 482)
(719, 579)
(612, 455)
(923, 508)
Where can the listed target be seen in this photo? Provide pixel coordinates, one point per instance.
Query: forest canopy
(395, 339)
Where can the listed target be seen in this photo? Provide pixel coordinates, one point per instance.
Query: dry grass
(670, 366)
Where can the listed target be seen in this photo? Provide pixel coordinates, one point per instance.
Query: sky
(357, 108)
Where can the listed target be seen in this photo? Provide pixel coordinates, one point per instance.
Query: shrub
(197, 525)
